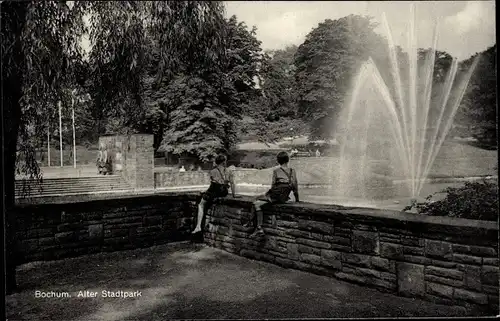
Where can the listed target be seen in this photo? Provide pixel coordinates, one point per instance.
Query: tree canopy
(325, 65)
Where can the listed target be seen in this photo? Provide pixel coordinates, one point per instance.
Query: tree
(325, 65)
(41, 46)
(278, 83)
(272, 111)
(478, 110)
(203, 107)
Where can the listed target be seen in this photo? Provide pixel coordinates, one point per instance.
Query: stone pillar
(137, 158)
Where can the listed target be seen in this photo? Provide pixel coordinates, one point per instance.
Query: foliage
(278, 83)
(41, 58)
(272, 113)
(479, 106)
(199, 123)
(203, 109)
(474, 200)
(325, 65)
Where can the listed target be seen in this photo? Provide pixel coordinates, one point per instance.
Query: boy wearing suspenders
(220, 181)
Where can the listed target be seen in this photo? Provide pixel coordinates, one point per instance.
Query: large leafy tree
(478, 110)
(326, 64)
(203, 106)
(278, 83)
(272, 112)
(41, 47)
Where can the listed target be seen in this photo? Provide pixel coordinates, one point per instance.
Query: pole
(48, 143)
(74, 139)
(60, 133)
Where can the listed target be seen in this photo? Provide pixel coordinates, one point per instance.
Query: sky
(464, 27)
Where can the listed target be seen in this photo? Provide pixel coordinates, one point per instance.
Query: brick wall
(54, 231)
(440, 259)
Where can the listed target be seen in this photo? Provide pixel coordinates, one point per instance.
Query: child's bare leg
(201, 211)
(260, 215)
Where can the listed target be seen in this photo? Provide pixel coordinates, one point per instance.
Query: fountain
(386, 132)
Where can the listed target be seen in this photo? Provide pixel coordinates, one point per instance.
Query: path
(197, 282)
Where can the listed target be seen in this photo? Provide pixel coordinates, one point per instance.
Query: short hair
(220, 159)
(282, 158)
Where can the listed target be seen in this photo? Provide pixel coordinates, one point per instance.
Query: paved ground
(197, 282)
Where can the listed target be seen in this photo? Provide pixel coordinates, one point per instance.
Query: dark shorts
(214, 191)
(279, 194)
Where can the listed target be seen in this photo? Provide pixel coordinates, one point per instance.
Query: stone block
(469, 296)
(316, 236)
(467, 259)
(444, 264)
(331, 258)
(411, 281)
(440, 290)
(298, 234)
(284, 262)
(383, 264)
(116, 232)
(309, 250)
(443, 272)
(356, 259)
(365, 242)
(337, 240)
(489, 275)
(302, 266)
(391, 251)
(287, 224)
(410, 241)
(361, 271)
(313, 226)
(293, 251)
(491, 261)
(388, 277)
(438, 249)
(445, 281)
(475, 250)
(310, 258)
(313, 243)
(490, 289)
(65, 237)
(413, 250)
(472, 278)
(351, 277)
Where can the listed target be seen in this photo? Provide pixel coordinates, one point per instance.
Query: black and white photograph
(188, 160)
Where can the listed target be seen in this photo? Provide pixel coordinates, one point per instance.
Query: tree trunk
(13, 21)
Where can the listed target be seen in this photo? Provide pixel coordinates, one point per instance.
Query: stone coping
(307, 209)
(372, 215)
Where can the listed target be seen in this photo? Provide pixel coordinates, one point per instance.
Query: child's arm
(212, 176)
(275, 177)
(295, 186)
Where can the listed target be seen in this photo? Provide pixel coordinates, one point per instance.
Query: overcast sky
(465, 27)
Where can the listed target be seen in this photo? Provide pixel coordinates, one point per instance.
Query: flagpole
(74, 139)
(60, 133)
(48, 143)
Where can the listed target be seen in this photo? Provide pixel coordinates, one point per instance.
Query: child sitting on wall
(220, 181)
(284, 182)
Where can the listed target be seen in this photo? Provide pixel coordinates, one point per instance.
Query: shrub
(474, 200)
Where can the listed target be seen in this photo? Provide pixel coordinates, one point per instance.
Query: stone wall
(175, 178)
(54, 231)
(441, 259)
